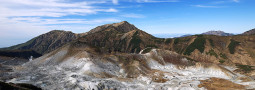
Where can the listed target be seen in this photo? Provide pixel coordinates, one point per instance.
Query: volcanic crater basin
(155, 70)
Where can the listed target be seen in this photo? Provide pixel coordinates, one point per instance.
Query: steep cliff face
(47, 42)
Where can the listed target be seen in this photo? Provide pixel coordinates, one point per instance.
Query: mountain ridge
(250, 32)
(46, 42)
(124, 37)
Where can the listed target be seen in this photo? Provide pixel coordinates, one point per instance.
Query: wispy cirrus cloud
(30, 18)
(206, 6)
(49, 8)
(53, 9)
(216, 4)
(225, 1)
(115, 1)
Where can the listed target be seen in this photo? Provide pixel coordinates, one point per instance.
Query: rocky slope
(218, 33)
(81, 66)
(113, 40)
(203, 48)
(47, 42)
(52, 40)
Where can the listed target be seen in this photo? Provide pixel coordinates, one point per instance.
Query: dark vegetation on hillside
(232, 46)
(176, 41)
(168, 41)
(135, 42)
(199, 44)
(212, 53)
(245, 68)
(211, 42)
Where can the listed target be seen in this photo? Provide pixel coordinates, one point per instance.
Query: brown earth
(220, 84)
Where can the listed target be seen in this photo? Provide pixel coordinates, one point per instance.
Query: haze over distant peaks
(218, 33)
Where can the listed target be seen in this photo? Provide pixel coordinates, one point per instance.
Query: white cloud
(49, 8)
(29, 18)
(32, 11)
(115, 1)
(206, 6)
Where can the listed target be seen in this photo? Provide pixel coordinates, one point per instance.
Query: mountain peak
(123, 26)
(121, 23)
(58, 31)
(218, 33)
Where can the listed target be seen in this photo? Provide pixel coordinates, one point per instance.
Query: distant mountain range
(218, 33)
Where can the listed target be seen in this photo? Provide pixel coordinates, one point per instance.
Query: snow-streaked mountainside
(78, 66)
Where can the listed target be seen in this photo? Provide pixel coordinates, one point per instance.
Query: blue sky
(21, 20)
